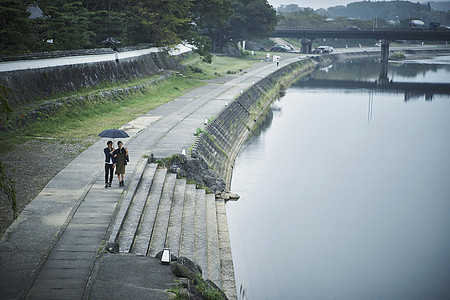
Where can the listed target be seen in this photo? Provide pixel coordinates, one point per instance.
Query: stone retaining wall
(222, 138)
(25, 86)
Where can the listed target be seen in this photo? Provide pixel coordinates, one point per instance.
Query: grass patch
(221, 65)
(84, 122)
(88, 120)
(397, 56)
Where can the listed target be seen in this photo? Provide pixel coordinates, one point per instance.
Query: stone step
(187, 227)
(226, 259)
(127, 198)
(212, 237)
(159, 234)
(145, 229)
(176, 217)
(132, 220)
(167, 212)
(200, 246)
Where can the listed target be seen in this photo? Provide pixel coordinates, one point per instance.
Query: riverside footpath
(55, 249)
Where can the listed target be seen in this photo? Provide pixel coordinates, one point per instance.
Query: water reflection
(335, 208)
(369, 70)
(339, 75)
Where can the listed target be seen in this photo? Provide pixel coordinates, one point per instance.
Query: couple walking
(115, 158)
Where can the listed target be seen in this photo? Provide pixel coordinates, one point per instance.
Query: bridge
(386, 35)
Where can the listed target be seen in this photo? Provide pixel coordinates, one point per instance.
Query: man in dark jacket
(109, 163)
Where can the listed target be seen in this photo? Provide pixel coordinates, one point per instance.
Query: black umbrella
(114, 133)
(111, 41)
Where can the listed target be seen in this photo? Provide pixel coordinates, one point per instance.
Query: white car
(323, 49)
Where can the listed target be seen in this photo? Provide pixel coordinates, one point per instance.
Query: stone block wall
(223, 137)
(26, 86)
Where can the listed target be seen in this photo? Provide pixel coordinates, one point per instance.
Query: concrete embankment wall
(223, 138)
(26, 86)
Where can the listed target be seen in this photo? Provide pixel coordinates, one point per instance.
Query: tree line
(362, 14)
(76, 24)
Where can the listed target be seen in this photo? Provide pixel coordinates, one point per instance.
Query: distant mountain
(390, 10)
(442, 6)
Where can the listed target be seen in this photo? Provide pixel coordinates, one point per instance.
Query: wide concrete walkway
(50, 251)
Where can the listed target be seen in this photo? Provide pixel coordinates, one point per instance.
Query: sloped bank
(222, 139)
(29, 85)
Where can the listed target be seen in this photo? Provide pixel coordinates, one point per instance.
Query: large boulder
(196, 169)
(184, 267)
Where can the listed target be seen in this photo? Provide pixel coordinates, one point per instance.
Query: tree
(67, 25)
(251, 19)
(210, 14)
(158, 21)
(106, 24)
(207, 17)
(15, 30)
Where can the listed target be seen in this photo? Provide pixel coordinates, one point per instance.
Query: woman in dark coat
(120, 159)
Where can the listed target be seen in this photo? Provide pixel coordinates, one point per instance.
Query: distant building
(35, 11)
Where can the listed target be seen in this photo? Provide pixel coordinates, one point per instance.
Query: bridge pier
(385, 50)
(306, 45)
(384, 61)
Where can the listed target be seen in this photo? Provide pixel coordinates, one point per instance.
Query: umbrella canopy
(114, 133)
(111, 41)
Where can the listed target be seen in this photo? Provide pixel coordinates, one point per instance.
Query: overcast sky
(324, 3)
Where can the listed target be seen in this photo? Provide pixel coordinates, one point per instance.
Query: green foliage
(207, 291)
(206, 24)
(361, 14)
(67, 25)
(8, 187)
(178, 292)
(113, 24)
(388, 10)
(201, 287)
(308, 18)
(158, 22)
(198, 131)
(397, 56)
(15, 29)
(251, 19)
(195, 69)
(5, 110)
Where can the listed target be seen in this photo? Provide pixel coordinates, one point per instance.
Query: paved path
(81, 59)
(50, 251)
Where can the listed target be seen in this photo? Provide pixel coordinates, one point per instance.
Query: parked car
(290, 47)
(323, 49)
(281, 48)
(353, 27)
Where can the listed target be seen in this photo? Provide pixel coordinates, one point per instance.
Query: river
(345, 192)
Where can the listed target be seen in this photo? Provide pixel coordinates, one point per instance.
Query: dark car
(353, 27)
(280, 48)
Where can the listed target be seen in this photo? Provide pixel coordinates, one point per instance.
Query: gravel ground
(32, 165)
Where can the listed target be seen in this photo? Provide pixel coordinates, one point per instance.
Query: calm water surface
(345, 194)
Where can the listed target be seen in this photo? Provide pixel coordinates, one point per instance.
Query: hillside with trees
(401, 11)
(78, 24)
(308, 18)
(363, 14)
